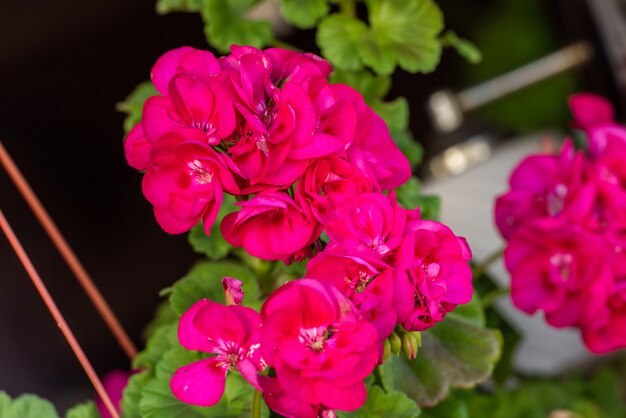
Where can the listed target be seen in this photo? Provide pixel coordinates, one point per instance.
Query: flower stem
(482, 267)
(256, 404)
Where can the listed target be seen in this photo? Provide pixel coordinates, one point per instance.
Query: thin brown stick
(68, 254)
(58, 317)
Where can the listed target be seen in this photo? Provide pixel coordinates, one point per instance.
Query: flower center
(200, 172)
(561, 262)
(556, 199)
(314, 338)
(431, 270)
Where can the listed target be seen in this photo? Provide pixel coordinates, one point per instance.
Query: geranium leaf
(214, 246)
(132, 394)
(225, 25)
(168, 6)
(465, 48)
(395, 113)
(6, 403)
(30, 406)
(304, 13)
(338, 37)
(161, 341)
(410, 197)
(133, 104)
(157, 400)
(380, 405)
(404, 33)
(205, 281)
(163, 315)
(83, 410)
(455, 354)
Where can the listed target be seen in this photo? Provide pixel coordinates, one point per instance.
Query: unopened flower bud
(386, 350)
(395, 343)
(409, 345)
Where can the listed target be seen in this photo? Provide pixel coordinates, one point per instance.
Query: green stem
(494, 295)
(347, 8)
(256, 404)
(482, 267)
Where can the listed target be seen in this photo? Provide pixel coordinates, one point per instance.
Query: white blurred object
(467, 207)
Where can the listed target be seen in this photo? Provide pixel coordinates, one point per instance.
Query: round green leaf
(304, 13)
(338, 37)
(84, 410)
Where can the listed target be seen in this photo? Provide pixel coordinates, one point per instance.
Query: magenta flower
(432, 274)
(137, 149)
(114, 383)
(371, 223)
(560, 269)
(229, 332)
(370, 288)
(185, 185)
(200, 65)
(603, 335)
(233, 291)
(545, 186)
(590, 110)
(270, 226)
(326, 183)
(319, 347)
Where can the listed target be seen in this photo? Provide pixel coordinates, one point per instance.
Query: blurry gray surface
(467, 207)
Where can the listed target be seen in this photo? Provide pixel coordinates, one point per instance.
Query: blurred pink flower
(114, 383)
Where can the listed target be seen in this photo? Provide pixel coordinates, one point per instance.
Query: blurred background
(64, 64)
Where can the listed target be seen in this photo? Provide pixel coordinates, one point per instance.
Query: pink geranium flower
(560, 269)
(198, 64)
(326, 183)
(185, 185)
(229, 332)
(114, 383)
(432, 274)
(137, 149)
(319, 347)
(270, 226)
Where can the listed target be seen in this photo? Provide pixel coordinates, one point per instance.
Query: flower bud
(386, 350)
(409, 345)
(395, 343)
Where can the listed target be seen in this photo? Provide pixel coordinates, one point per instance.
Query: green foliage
(157, 400)
(159, 343)
(26, 406)
(457, 352)
(401, 33)
(384, 405)
(133, 104)
(132, 394)
(168, 6)
(410, 197)
(205, 281)
(304, 13)
(413, 152)
(84, 410)
(214, 246)
(163, 315)
(465, 48)
(226, 24)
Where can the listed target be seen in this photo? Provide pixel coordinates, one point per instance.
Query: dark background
(63, 66)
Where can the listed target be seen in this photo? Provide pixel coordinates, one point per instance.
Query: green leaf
(84, 410)
(410, 197)
(304, 13)
(133, 104)
(225, 25)
(404, 33)
(409, 146)
(471, 312)
(6, 404)
(132, 394)
(373, 87)
(338, 37)
(31, 406)
(214, 246)
(164, 315)
(168, 6)
(157, 400)
(395, 113)
(465, 48)
(205, 281)
(384, 405)
(449, 408)
(454, 353)
(163, 339)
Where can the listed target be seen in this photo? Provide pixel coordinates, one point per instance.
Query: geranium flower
(185, 184)
(229, 332)
(270, 226)
(319, 347)
(196, 63)
(114, 383)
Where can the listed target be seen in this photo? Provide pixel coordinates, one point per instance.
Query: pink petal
(137, 149)
(201, 383)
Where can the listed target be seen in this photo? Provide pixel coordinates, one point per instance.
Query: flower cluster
(564, 218)
(253, 124)
(302, 156)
